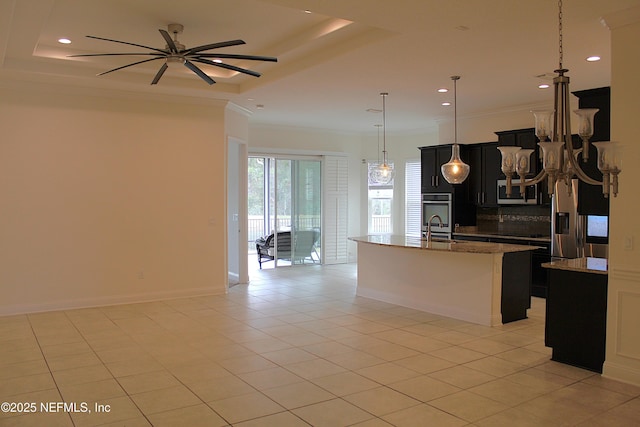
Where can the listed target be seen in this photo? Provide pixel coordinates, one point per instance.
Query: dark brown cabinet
(526, 138)
(484, 160)
(576, 318)
(523, 138)
(590, 198)
(432, 159)
(538, 274)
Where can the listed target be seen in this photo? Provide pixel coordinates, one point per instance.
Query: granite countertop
(442, 245)
(582, 265)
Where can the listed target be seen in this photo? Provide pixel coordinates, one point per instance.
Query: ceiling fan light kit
(175, 53)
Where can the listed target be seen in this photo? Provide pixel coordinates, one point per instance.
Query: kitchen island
(479, 282)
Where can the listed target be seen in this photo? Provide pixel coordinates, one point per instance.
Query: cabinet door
(476, 175)
(443, 155)
(491, 173)
(428, 169)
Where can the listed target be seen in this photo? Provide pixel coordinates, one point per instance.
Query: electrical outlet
(628, 243)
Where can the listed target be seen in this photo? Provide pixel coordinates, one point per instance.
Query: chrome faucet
(429, 225)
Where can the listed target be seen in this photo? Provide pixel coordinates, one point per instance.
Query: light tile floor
(296, 347)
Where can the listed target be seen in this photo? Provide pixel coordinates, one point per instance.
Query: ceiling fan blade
(198, 71)
(213, 46)
(130, 44)
(161, 71)
(130, 65)
(229, 67)
(169, 41)
(118, 54)
(233, 56)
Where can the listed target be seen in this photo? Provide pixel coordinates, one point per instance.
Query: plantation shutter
(412, 199)
(335, 214)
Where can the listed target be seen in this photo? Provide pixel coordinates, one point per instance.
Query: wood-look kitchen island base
(483, 283)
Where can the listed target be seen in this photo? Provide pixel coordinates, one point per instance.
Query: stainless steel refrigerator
(573, 235)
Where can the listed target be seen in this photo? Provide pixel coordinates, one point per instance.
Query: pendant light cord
(384, 128)
(455, 108)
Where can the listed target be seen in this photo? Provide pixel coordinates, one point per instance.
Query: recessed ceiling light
(443, 90)
(543, 86)
(218, 61)
(593, 58)
(64, 41)
(307, 11)
(446, 104)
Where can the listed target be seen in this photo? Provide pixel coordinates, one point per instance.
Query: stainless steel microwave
(530, 194)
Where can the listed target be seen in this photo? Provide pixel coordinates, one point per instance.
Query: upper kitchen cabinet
(524, 138)
(484, 160)
(432, 159)
(590, 198)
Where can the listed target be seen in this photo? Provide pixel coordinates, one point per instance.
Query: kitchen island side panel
(464, 286)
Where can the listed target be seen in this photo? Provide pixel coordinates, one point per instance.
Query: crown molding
(622, 18)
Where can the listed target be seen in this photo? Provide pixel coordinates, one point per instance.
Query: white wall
(623, 315)
(106, 199)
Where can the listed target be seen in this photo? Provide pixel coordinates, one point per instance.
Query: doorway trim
(237, 211)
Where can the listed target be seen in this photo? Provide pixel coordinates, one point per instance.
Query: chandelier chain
(561, 53)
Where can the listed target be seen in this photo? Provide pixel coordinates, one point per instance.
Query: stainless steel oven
(530, 194)
(437, 204)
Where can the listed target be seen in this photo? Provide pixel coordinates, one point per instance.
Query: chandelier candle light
(559, 157)
(455, 171)
(383, 173)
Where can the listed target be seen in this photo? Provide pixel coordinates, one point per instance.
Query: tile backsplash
(518, 220)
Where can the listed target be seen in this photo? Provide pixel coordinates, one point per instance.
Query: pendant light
(383, 173)
(455, 171)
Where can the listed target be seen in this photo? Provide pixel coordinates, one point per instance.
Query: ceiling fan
(176, 53)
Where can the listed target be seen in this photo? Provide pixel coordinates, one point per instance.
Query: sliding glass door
(285, 206)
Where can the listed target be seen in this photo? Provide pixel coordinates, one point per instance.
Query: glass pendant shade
(523, 162)
(455, 171)
(552, 155)
(607, 156)
(383, 173)
(585, 121)
(543, 124)
(508, 164)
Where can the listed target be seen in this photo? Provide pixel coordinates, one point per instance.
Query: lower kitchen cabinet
(538, 257)
(576, 318)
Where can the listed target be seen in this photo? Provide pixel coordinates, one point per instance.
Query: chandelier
(560, 159)
(383, 173)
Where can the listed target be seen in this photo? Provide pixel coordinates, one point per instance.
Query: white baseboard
(72, 304)
(622, 373)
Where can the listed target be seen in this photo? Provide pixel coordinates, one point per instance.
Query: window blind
(412, 204)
